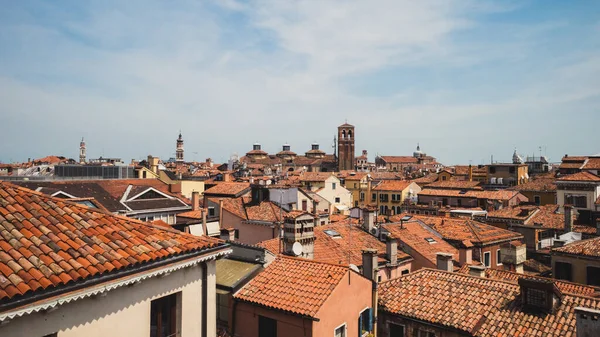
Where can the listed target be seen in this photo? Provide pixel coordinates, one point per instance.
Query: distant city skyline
(465, 79)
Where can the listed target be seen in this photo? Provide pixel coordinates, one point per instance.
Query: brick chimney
(569, 218)
(195, 201)
(478, 271)
(470, 172)
(369, 261)
(588, 322)
(465, 252)
(444, 262)
(228, 234)
(391, 250)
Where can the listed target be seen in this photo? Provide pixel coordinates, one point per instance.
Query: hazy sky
(465, 79)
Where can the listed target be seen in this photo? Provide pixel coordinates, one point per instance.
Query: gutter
(102, 284)
(157, 210)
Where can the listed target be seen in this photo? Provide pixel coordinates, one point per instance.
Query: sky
(466, 79)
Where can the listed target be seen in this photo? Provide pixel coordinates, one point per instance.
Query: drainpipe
(220, 212)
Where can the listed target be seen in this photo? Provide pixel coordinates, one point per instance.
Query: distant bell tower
(345, 147)
(82, 151)
(179, 151)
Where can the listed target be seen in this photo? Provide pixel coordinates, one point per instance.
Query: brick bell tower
(179, 150)
(346, 147)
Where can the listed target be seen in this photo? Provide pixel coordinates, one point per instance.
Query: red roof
(399, 159)
(293, 285)
(48, 243)
(477, 306)
(588, 248)
(580, 176)
(414, 235)
(227, 189)
(393, 185)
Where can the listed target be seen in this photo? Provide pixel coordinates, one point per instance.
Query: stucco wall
(246, 322)
(411, 328)
(124, 311)
(578, 266)
(189, 186)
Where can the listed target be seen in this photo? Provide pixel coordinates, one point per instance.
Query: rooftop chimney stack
(587, 322)
(444, 262)
(569, 215)
(513, 255)
(465, 253)
(391, 250)
(195, 201)
(368, 220)
(369, 261)
(470, 172)
(478, 271)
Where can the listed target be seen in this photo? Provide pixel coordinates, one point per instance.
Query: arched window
(343, 134)
(349, 133)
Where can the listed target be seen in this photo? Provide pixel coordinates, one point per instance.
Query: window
(365, 324)
(445, 201)
(593, 276)
(562, 271)
(396, 330)
(354, 185)
(537, 200)
(486, 259)
(459, 202)
(362, 196)
(304, 205)
(374, 196)
(267, 327)
(356, 203)
(430, 240)
(383, 197)
(511, 169)
(211, 211)
(536, 297)
(164, 320)
(222, 308)
(405, 271)
(425, 333)
(579, 201)
(339, 331)
(498, 258)
(492, 169)
(333, 186)
(337, 199)
(444, 178)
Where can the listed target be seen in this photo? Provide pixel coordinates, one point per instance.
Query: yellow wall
(189, 186)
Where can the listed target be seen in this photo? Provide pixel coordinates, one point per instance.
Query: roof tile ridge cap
(470, 227)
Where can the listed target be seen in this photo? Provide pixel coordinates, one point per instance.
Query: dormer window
(539, 295)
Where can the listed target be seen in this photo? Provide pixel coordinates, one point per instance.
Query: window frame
(389, 324)
(174, 307)
(345, 331)
(498, 257)
(489, 264)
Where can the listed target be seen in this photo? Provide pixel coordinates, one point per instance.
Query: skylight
(430, 240)
(332, 233)
(406, 218)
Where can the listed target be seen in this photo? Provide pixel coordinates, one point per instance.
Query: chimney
(221, 212)
(587, 322)
(369, 261)
(478, 271)
(195, 201)
(391, 250)
(204, 227)
(558, 243)
(465, 252)
(444, 262)
(539, 295)
(228, 234)
(315, 212)
(513, 255)
(470, 172)
(368, 220)
(568, 218)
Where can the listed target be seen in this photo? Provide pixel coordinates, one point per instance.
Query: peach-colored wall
(344, 305)
(246, 322)
(390, 273)
(249, 233)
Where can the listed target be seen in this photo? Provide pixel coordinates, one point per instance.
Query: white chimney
(391, 249)
(369, 261)
(478, 271)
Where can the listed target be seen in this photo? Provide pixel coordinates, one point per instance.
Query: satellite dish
(297, 248)
(354, 267)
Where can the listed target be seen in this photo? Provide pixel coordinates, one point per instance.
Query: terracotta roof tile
(537, 185)
(413, 235)
(580, 176)
(589, 248)
(228, 189)
(455, 184)
(59, 254)
(491, 195)
(293, 285)
(400, 159)
(478, 306)
(392, 185)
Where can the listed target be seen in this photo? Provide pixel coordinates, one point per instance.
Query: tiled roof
(428, 179)
(537, 185)
(337, 250)
(399, 159)
(580, 176)
(455, 184)
(264, 211)
(413, 235)
(466, 229)
(315, 176)
(547, 215)
(592, 164)
(463, 170)
(377, 176)
(563, 286)
(392, 185)
(48, 243)
(197, 214)
(228, 189)
(587, 248)
(477, 306)
(491, 195)
(293, 285)
(534, 267)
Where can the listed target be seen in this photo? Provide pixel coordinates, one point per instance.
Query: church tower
(179, 151)
(82, 151)
(346, 147)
